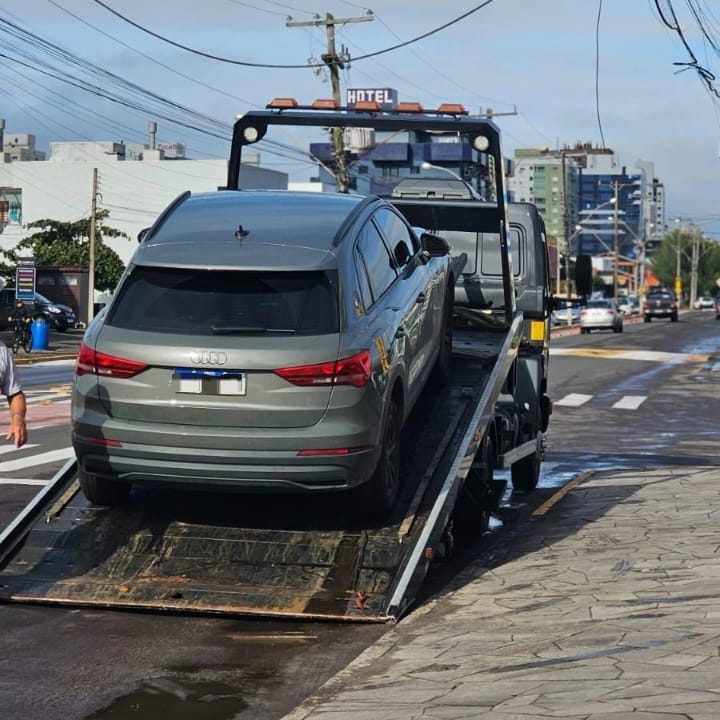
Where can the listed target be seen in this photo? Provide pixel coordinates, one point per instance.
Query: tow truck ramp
(284, 556)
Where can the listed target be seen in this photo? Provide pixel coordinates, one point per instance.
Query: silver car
(600, 314)
(265, 341)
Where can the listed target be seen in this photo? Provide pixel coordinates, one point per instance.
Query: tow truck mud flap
(252, 555)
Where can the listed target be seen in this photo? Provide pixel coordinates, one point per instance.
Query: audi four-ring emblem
(208, 357)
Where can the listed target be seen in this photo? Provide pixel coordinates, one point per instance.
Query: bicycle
(22, 337)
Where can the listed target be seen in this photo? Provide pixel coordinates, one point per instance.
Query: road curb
(43, 357)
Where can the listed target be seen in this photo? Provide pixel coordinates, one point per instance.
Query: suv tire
(100, 491)
(377, 496)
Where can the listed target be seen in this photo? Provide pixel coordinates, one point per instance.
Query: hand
(17, 430)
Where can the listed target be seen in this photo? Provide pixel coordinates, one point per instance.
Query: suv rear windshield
(221, 302)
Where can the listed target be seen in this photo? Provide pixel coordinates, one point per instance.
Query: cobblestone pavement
(602, 606)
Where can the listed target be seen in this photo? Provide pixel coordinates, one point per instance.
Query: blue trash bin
(40, 331)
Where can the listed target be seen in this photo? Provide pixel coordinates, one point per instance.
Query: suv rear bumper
(241, 470)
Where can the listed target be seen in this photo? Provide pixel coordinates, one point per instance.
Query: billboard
(387, 97)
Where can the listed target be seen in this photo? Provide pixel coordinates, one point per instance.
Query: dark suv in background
(660, 303)
(60, 317)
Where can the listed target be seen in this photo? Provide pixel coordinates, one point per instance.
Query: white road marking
(22, 481)
(573, 400)
(41, 459)
(4, 449)
(54, 397)
(630, 402)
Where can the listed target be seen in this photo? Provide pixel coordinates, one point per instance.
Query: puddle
(164, 697)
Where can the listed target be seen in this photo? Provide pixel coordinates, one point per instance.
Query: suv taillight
(91, 362)
(353, 371)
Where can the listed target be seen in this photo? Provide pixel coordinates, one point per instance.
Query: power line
(245, 63)
(597, 72)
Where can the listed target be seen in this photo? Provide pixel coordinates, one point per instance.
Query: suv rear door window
(398, 236)
(212, 302)
(376, 259)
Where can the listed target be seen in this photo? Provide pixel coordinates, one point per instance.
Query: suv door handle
(400, 332)
(420, 298)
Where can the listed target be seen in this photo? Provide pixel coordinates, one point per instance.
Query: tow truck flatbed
(257, 555)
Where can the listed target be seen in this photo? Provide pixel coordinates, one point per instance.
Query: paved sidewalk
(605, 607)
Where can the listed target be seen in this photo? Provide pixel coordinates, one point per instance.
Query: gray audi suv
(264, 341)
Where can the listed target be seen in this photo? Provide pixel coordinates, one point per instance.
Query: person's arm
(17, 430)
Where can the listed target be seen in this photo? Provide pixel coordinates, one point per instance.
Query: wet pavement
(603, 605)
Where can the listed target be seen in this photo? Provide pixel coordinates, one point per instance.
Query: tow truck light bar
(371, 106)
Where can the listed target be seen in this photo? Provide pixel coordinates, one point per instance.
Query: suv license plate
(209, 382)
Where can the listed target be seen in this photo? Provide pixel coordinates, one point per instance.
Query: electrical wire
(169, 114)
(670, 20)
(246, 63)
(597, 72)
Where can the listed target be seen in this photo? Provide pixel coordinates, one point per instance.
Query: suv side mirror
(141, 235)
(434, 245)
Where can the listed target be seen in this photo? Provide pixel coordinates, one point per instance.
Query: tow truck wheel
(377, 496)
(471, 517)
(525, 473)
(441, 371)
(100, 491)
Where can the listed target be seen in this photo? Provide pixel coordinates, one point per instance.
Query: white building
(134, 191)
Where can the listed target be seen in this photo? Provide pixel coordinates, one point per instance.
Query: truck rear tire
(100, 491)
(377, 496)
(525, 473)
(475, 503)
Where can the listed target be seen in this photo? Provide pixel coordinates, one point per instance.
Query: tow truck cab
(479, 284)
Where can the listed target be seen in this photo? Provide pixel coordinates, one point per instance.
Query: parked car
(264, 340)
(660, 303)
(560, 316)
(600, 315)
(629, 305)
(58, 316)
(705, 302)
(61, 316)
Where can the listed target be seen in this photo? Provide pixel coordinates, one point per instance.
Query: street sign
(25, 280)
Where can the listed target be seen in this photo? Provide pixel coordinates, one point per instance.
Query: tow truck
(263, 557)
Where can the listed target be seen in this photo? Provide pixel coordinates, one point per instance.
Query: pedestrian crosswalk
(626, 402)
(19, 465)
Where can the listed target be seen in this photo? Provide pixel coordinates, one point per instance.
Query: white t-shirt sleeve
(10, 382)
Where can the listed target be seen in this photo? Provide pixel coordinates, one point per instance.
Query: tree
(68, 243)
(677, 246)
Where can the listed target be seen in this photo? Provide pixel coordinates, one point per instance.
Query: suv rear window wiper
(248, 330)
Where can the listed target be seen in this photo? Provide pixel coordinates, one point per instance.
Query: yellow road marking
(646, 355)
(561, 493)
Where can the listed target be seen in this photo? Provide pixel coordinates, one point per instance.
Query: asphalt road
(631, 400)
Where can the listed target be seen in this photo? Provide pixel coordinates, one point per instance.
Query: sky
(555, 72)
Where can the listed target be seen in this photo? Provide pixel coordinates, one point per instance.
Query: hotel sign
(387, 97)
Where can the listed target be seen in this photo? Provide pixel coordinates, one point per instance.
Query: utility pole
(335, 63)
(616, 239)
(566, 227)
(91, 260)
(694, 262)
(678, 249)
